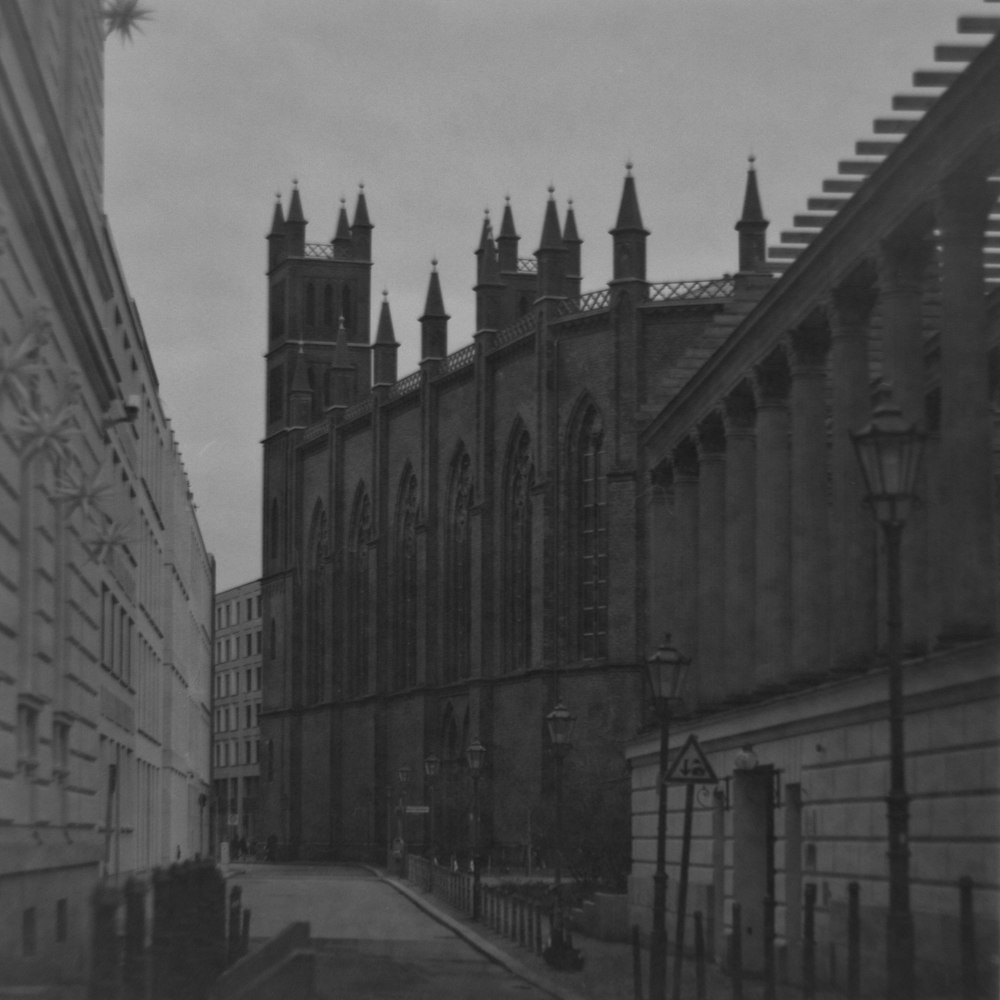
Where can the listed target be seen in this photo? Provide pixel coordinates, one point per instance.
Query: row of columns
(774, 568)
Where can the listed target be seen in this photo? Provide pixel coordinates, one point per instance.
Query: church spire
(276, 237)
(385, 347)
(434, 322)
(752, 226)
(295, 224)
(629, 235)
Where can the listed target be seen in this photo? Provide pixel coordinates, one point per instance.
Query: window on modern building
(62, 921)
(258, 642)
(257, 604)
(27, 734)
(520, 477)
(256, 751)
(229, 614)
(257, 671)
(29, 932)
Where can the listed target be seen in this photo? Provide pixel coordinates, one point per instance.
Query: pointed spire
(508, 239)
(340, 355)
(487, 231)
(551, 230)
(343, 227)
(278, 218)
(361, 210)
(491, 264)
(628, 210)
(752, 226)
(507, 230)
(570, 235)
(434, 306)
(752, 211)
(385, 334)
(295, 205)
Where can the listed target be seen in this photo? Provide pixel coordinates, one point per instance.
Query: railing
(525, 325)
(327, 251)
(503, 911)
(358, 409)
(527, 265)
(405, 386)
(590, 302)
(460, 359)
(713, 288)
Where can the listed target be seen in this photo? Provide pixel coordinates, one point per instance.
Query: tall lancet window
(317, 606)
(359, 596)
(591, 541)
(517, 554)
(404, 671)
(458, 574)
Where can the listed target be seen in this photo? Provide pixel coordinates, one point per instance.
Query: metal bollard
(809, 944)
(737, 952)
(636, 964)
(699, 955)
(853, 942)
(134, 971)
(967, 939)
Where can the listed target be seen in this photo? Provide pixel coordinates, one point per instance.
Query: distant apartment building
(105, 584)
(236, 712)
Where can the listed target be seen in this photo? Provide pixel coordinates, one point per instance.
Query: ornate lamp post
(475, 756)
(432, 767)
(560, 726)
(889, 451)
(403, 774)
(666, 670)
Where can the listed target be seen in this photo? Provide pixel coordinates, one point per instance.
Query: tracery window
(591, 541)
(517, 554)
(458, 571)
(405, 584)
(358, 595)
(310, 303)
(317, 605)
(328, 305)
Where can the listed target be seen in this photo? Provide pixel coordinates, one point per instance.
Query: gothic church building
(448, 555)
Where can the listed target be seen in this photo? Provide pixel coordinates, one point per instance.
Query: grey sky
(443, 107)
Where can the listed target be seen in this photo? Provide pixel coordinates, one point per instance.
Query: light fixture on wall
(746, 759)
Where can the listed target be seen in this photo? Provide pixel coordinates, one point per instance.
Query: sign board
(418, 809)
(691, 765)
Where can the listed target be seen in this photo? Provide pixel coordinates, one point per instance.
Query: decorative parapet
(713, 288)
(460, 359)
(361, 409)
(590, 302)
(327, 251)
(526, 325)
(405, 386)
(527, 265)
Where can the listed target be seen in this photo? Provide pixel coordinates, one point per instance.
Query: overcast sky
(441, 108)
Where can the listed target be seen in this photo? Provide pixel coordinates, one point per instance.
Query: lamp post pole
(403, 774)
(475, 756)
(889, 451)
(666, 670)
(432, 765)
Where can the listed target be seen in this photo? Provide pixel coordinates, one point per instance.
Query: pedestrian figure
(272, 848)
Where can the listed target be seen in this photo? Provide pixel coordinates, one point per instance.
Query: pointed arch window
(405, 589)
(359, 596)
(590, 521)
(458, 573)
(310, 303)
(517, 555)
(317, 606)
(345, 305)
(328, 305)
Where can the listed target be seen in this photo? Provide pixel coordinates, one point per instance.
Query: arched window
(310, 317)
(405, 603)
(517, 553)
(316, 605)
(275, 543)
(328, 305)
(590, 542)
(345, 305)
(458, 573)
(359, 595)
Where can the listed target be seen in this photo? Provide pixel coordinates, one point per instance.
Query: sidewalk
(607, 972)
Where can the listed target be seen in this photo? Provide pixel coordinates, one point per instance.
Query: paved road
(371, 941)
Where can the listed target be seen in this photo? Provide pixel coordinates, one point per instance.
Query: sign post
(691, 767)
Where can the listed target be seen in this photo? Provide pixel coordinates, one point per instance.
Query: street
(370, 940)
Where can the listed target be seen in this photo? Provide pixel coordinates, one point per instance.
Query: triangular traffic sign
(691, 765)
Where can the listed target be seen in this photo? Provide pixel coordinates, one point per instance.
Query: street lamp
(432, 767)
(475, 756)
(560, 726)
(403, 774)
(889, 451)
(666, 670)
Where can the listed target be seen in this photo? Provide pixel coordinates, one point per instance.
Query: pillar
(968, 576)
(810, 507)
(714, 684)
(740, 536)
(773, 557)
(853, 532)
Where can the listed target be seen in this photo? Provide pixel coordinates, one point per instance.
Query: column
(901, 266)
(968, 577)
(772, 635)
(810, 508)
(714, 684)
(741, 539)
(684, 584)
(660, 520)
(853, 532)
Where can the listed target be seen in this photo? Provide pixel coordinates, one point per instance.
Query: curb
(496, 955)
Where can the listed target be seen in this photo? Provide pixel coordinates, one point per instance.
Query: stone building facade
(105, 584)
(772, 572)
(236, 700)
(448, 555)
